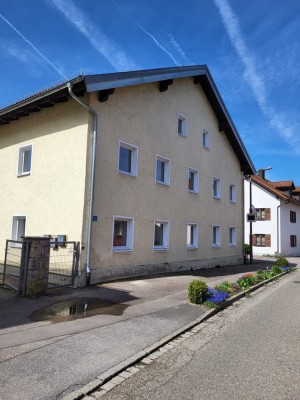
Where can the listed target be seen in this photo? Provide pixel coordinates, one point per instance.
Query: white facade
(278, 227)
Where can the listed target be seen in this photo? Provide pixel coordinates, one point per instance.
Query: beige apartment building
(145, 169)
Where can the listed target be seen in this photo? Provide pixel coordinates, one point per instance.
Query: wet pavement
(53, 344)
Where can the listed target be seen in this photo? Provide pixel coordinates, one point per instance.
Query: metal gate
(14, 267)
(63, 263)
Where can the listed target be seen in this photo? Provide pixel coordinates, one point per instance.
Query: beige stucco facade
(51, 197)
(55, 197)
(144, 117)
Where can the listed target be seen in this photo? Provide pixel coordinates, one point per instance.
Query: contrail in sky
(255, 80)
(177, 46)
(158, 44)
(33, 46)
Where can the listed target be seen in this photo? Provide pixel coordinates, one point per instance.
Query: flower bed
(215, 297)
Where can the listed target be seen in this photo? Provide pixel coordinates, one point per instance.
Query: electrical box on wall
(61, 239)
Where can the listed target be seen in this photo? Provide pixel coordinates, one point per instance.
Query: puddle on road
(76, 308)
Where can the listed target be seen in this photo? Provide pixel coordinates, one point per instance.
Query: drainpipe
(280, 205)
(92, 185)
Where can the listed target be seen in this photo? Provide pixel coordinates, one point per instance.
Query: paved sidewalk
(44, 360)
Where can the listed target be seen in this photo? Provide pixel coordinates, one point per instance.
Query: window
(24, 165)
(18, 228)
(182, 125)
(162, 170)
(261, 240)
(216, 241)
(128, 156)
(192, 236)
(263, 214)
(205, 139)
(293, 240)
(217, 188)
(122, 234)
(293, 218)
(232, 193)
(161, 235)
(232, 236)
(193, 180)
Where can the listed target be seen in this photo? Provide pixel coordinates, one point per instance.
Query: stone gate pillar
(35, 259)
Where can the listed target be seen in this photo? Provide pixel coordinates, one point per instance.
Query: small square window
(193, 180)
(182, 125)
(18, 228)
(232, 236)
(205, 139)
(192, 236)
(216, 240)
(122, 234)
(24, 163)
(232, 193)
(161, 235)
(128, 156)
(217, 188)
(162, 170)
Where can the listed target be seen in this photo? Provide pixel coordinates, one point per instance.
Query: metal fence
(12, 269)
(63, 264)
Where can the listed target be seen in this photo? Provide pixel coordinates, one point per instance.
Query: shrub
(246, 281)
(197, 291)
(216, 297)
(281, 262)
(247, 248)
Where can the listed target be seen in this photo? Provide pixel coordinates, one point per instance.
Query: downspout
(92, 185)
(280, 205)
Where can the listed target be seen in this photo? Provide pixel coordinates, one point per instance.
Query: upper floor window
(162, 170)
(24, 165)
(293, 240)
(292, 216)
(232, 193)
(263, 214)
(182, 125)
(205, 139)
(217, 188)
(261, 240)
(128, 156)
(193, 180)
(122, 234)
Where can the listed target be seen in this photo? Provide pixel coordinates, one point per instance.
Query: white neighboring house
(277, 227)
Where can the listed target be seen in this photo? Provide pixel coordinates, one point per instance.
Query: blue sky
(251, 48)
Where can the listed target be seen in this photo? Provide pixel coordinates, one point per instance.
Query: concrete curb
(103, 379)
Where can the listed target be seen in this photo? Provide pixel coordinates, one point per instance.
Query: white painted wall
(261, 198)
(288, 228)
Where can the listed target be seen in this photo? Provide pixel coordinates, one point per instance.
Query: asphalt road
(249, 351)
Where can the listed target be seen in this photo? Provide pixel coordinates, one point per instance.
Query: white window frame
(166, 236)
(129, 236)
(218, 236)
(167, 162)
(14, 228)
(219, 187)
(134, 158)
(196, 180)
(184, 125)
(233, 199)
(21, 152)
(205, 139)
(233, 242)
(195, 243)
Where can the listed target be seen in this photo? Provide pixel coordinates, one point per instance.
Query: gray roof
(99, 82)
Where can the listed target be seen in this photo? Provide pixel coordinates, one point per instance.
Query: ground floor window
(192, 236)
(261, 240)
(216, 239)
(122, 234)
(161, 235)
(232, 236)
(18, 228)
(293, 240)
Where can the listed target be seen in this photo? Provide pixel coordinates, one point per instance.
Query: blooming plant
(216, 297)
(246, 281)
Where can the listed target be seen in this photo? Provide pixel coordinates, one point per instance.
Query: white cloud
(105, 46)
(178, 48)
(255, 80)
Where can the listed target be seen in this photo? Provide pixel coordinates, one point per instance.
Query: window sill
(192, 247)
(163, 183)
(217, 197)
(232, 201)
(127, 173)
(181, 134)
(193, 191)
(121, 250)
(205, 147)
(161, 248)
(24, 174)
(232, 245)
(216, 245)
